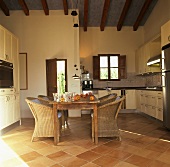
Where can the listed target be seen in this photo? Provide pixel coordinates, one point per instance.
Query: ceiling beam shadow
(45, 7)
(65, 6)
(24, 7)
(104, 15)
(123, 14)
(4, 8)
(85, 14)
(141, 14)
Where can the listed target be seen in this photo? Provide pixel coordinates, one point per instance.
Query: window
(109, 67)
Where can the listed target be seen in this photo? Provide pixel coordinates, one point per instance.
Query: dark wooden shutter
(96, 67)
(51, 76)
(122, 67)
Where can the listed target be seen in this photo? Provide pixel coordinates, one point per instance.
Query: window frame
(109, 68)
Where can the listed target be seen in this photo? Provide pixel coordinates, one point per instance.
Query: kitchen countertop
(128, 88)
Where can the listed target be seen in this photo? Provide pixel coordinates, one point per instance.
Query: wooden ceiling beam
(45, 7)
(123, 14)
(65, 6)
(141, 14)
(86, 2)
(4, 8)
(24, 7)
(104, 15)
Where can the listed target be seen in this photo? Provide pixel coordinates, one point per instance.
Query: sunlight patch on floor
(7, 154)
(130, 132)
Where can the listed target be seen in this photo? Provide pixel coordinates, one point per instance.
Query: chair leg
(92, 129)
(63, 119)
(66, 118)
(32, 139)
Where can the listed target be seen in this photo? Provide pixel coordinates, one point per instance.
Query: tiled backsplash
(132, 81)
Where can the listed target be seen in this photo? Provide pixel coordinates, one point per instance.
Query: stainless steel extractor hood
(154, 61)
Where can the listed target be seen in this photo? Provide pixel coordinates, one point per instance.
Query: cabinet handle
(6, 56)
(7, 98)
(159, 98)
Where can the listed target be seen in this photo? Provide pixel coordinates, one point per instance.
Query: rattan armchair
(64, 112)
(107, 99)
(103, 98)
(44, 118)
(107, 119)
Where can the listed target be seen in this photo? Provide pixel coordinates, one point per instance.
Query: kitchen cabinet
(165, 34)
(6, 102)
(17, 115)
(8, 46)
(144, 53)
(3, 112)
(5, 45)
(2, 43)
(138, 100)
(142, 56)
(130, 99)
(9, 109)
(151, 103)
(15, 64)
(159, 106)
(140, 66)
(9, 97)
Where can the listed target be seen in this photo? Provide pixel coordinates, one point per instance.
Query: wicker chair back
(44, 118)
(107, 118)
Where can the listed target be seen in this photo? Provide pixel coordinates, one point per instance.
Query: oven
(6, 74)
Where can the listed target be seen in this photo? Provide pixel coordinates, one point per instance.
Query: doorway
(61, 76)
(56, 76)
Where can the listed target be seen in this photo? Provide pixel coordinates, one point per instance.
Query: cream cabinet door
(138, 102)
(15, 56)
(140, 67)
(16, 107)
(8, 46)
(147, 55)
(130, 99)
(3, 112)
(2, 43)
(159, 106)
(165, 34)
(10, 109)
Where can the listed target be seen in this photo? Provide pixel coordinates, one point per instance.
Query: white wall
(124, 42)
(159, 16)
(44, 37)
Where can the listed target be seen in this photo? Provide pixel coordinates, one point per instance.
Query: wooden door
(51, 76)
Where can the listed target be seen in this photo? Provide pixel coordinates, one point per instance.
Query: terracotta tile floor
(145, 143)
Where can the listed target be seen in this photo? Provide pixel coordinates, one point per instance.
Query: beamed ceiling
(92, 13)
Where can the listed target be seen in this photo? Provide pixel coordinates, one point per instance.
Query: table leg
(95, 124)
(55, 112)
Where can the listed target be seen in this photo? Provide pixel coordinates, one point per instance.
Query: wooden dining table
(82, 103)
